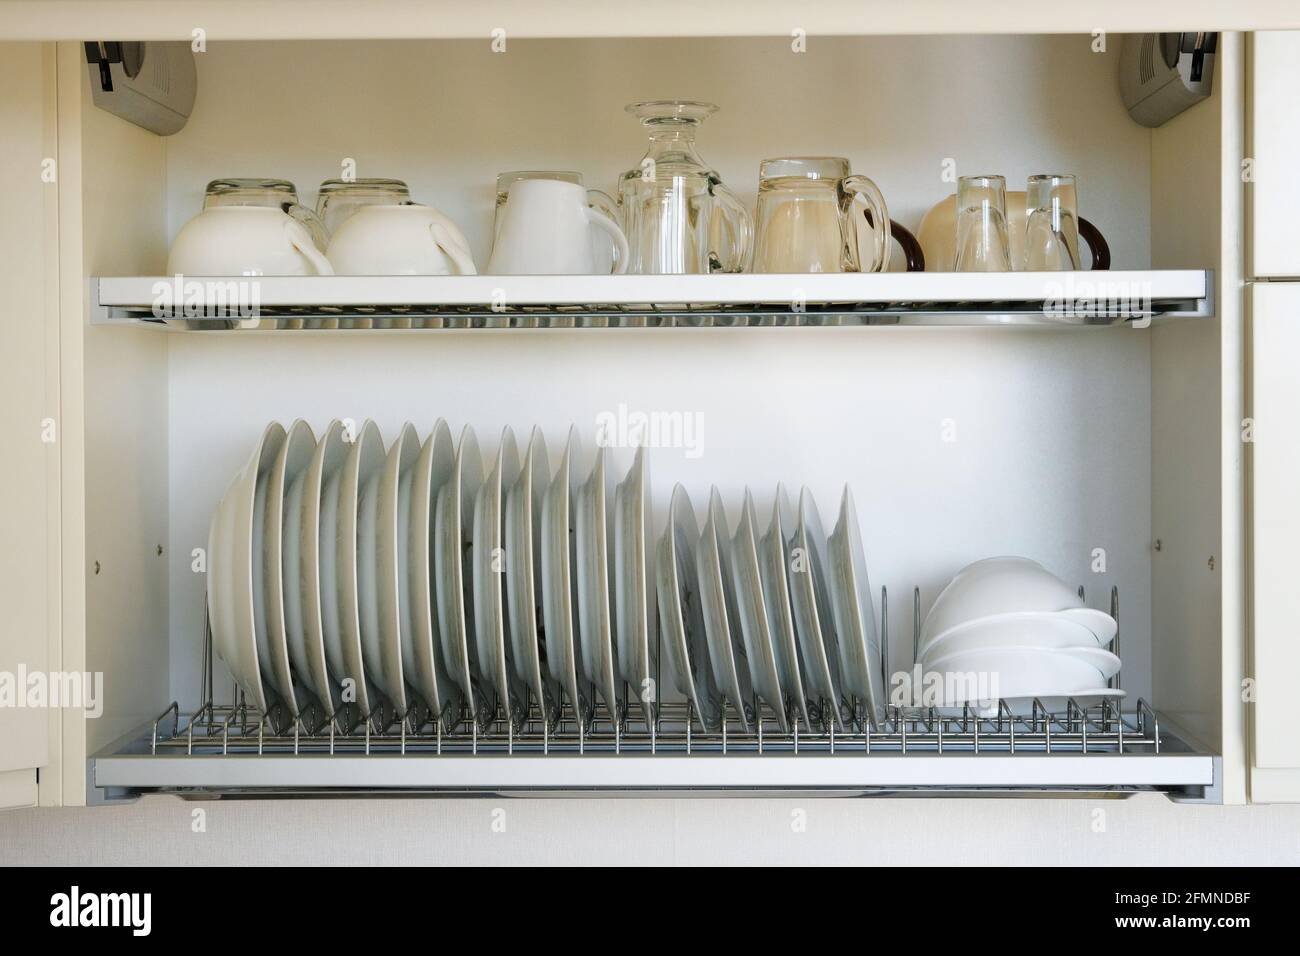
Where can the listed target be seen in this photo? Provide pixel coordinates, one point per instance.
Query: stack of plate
(784, 616)
(343, 573)
(1008, 629)
(352, 579)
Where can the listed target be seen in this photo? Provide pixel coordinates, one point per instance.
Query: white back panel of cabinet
(1050, 452)
(448, 116)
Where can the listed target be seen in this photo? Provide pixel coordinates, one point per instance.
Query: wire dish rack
(233, 749)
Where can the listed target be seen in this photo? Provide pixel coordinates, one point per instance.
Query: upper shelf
(502, 302)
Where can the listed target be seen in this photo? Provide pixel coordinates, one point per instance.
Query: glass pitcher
(678, 216)
(815, 217)
(338, 199)
(275, 193)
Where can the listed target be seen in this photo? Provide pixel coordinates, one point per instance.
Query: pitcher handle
(740, 228)
(445, 240)
(877, 218)
(301, 240)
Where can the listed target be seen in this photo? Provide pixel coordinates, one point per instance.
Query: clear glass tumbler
(1051, 223)
(338, 199)
(982, 242)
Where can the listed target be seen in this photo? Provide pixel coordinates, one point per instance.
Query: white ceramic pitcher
(546, 229)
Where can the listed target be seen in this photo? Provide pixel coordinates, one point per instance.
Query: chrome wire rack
(1069, 727)
(1073, 748)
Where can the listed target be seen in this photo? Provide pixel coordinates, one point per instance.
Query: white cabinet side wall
(123, 432)
(26, 417)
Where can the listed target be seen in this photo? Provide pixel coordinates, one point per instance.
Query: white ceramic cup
(546, 229)
(245, 241)
(399, 240)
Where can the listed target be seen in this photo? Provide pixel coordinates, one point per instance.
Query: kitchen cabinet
(1275, 142)
(29, 418)
(1112, 453)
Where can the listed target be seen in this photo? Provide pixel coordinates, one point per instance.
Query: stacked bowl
(1008, 629)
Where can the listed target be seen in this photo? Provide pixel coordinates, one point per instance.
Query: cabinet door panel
(1275, 323)
(1275, 144)
(26, 422)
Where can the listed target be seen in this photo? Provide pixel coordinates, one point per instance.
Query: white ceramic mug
(546, 229)
(245, 241)
(399, 240)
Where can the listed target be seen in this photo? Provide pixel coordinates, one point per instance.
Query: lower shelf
(1094, 750)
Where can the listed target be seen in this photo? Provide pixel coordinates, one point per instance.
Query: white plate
(492, 641)
(1000, 585)
(559, 581)
(452, 558)
(385, 651)
(721, 619)
(281, 561)
(523, 544)
(813, 613)
(221, 598)
(599, 664)
(1040, 629)
(321, 653)
(681, 618)
(422, 657)
(855, 616)
(354, 541)
(634, 603)
(755, 627)
(1012, 673)
(774, 561)
(246, 643)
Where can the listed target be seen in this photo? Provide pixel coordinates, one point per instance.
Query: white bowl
(990, 674)
(1076, 627)
(996, 586)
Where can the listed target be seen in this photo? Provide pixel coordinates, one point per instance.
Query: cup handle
(603, 203)
(301, 240)
(315, 228)
(739, 224)
(912, 251)
(455, 251)
(1097, 244)
(877, 217)
(599, 219)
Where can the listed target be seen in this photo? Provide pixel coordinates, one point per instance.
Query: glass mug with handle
(546, 228)
(808, 218)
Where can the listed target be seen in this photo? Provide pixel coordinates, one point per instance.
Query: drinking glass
(340, 198)
(1051, 223)
(269, 193)
(982, 243)
(815, 217)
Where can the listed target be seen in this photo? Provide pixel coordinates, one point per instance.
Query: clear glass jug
(815, 217)
(274, 193)
(678, 216)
